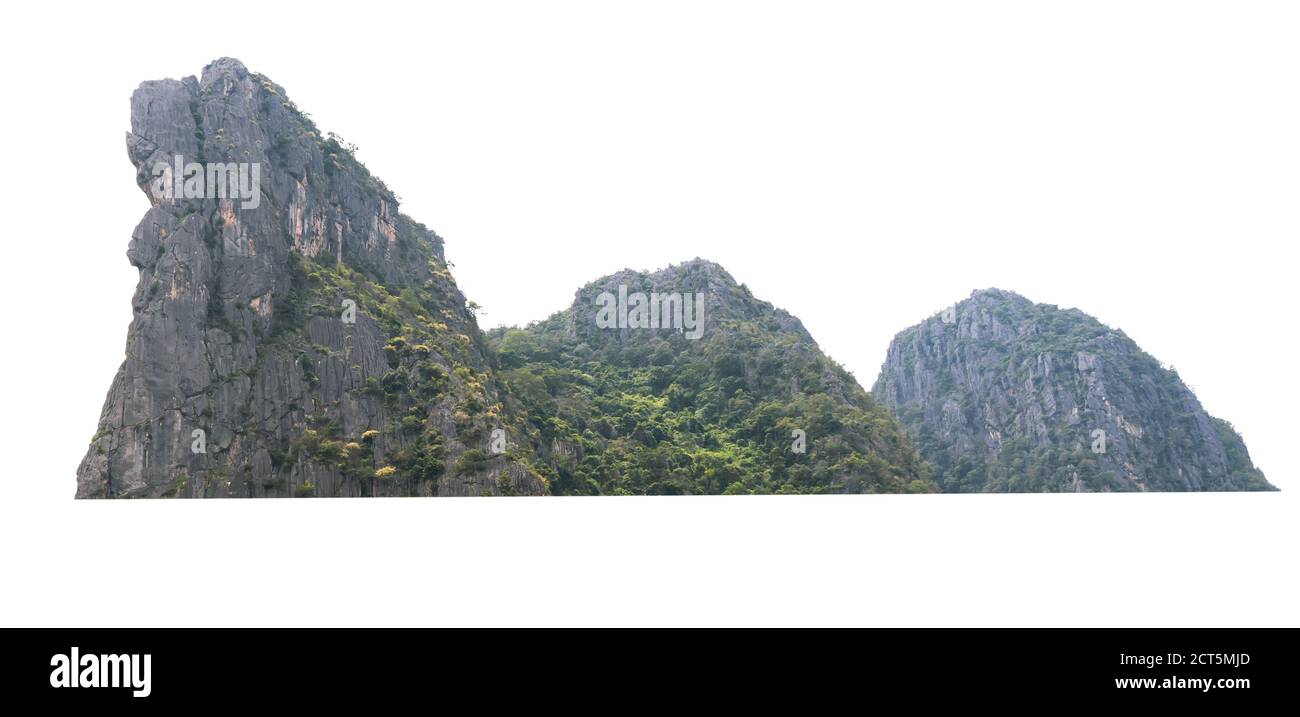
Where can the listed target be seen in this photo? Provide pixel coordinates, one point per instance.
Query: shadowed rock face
(1002, 394)
(239, 329)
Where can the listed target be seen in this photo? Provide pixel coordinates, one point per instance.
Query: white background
(861, 165)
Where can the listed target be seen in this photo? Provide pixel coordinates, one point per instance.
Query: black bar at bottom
(332, 668)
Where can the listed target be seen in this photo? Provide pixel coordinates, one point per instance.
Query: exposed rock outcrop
(247, 371)
(1002, 394)
(295, 334)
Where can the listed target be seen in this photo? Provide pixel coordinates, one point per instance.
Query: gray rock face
(244, 375)
(294, 334)
(1002, 394)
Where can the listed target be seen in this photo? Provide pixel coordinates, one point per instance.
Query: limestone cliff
(1002, 394)
(304, 338)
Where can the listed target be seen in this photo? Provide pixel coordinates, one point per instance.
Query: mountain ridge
(294, 334)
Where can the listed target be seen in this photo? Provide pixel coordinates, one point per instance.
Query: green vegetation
(1240, 468)
(429, 362)
(471, 461)
(653, 412)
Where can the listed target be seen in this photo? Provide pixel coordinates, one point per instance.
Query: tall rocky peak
(1002, 394)
(294, 333)
(743, 401)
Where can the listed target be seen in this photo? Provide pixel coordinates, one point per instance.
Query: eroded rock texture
(1002, 394)
(240, 330)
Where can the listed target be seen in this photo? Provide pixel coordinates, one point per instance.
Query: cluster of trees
(431, 361)
(654, 413)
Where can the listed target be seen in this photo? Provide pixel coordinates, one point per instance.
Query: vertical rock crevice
(303, 340)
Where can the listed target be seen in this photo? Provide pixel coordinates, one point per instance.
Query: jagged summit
(997, 293)
(696, 274)
(695, 264)
(994, 294)
(294, 333)
(225, 64)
